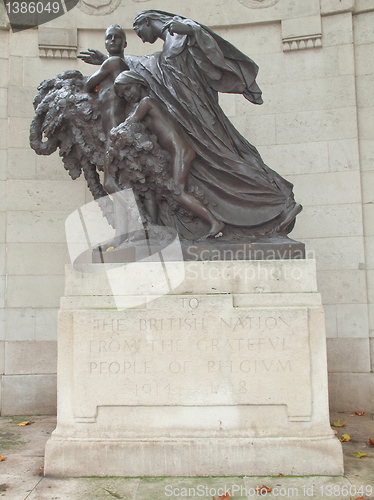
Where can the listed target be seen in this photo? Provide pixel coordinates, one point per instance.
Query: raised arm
(92, 56)
(175, 26)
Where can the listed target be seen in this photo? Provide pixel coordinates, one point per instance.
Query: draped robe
(187, 76)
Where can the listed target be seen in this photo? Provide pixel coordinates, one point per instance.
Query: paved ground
(21, 474)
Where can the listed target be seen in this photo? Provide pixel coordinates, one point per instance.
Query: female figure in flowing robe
(193, 66)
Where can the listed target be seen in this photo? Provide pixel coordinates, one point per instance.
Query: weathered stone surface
(46, 324)
(312, 81)
(25, 195)
(311, 126)
(29, 394)
(18, 96)
(336, 6)
(367, 186)
(364, 59)
(21, 164)
(362, 24)
(2, 291)
(30, 358)
(3, 103)
(343, 155)
(2, 357)
(348, 355)
(162, 352)
(65, 37)
(37, 258)
(2, 226)
(2, 324)
(236, 277)
(3, 163)
(357, 385)
(337, 253)
(311, 192)
(260, 129)
(21, 291)
(330, 320)
(35, 227)
(3, 135)
(343, 286)
(2, 259)
(206, 366)
(330, 221)
(337, 29)
(352, 320)
(298, 159)
(20, 324)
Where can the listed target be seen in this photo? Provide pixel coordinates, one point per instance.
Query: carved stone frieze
(98, 7)
(258, 4)
(302, 33)
(58, 43)
(299, 43)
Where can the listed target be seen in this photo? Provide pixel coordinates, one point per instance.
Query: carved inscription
(191, 355)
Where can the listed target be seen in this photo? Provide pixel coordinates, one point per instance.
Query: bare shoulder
(150, 102)
(115, 62)
(146, 102)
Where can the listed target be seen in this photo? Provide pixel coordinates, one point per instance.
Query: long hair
(159, 15)
(129, 77)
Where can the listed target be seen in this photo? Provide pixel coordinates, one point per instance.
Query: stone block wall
(364, 63)
(316, 61)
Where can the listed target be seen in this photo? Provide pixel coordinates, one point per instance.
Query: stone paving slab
(204, 488)
(22, 479)
(86, 489)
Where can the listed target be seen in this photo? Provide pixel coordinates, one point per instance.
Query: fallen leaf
(338, 424)
(2, 458)
(344, 438)
(335, 431)
(358, 454)
(359, 413)
(109, 249)
(224, 497)
(281, 475)
(262, 490)
(28, 422)
(371, 441)
(360, 498)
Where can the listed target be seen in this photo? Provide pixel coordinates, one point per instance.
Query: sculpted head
(130, 86)
(148, 24)
(115, 40)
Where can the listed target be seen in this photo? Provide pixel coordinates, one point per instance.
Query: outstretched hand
(175, 26)
(92, 56)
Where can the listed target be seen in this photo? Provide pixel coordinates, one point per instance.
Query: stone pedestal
(209, 369)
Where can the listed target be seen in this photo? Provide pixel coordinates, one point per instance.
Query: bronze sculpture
(222, 188)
